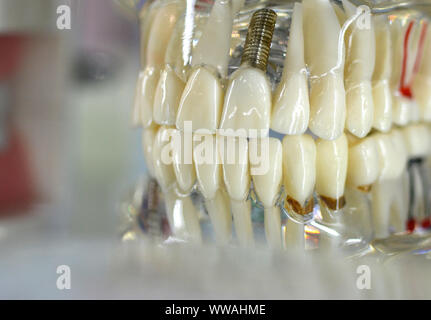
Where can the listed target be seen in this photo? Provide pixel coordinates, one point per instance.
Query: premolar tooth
(148, 138)
(417, 140)
(363, 163)
(401, 150)
(331, 170)
(299, 171)
(183, 161)
(202, 98)
(327, 96)
(291, 108)
(162, 160)
(382, 96)
(387, 153)
(359, 66)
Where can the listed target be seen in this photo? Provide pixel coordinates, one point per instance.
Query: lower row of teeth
(352, 103)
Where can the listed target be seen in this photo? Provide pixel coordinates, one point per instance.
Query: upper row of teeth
(327, 86)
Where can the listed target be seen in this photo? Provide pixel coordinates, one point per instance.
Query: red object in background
(411, 225)
(16, 187)
(426, 223)
(10, 49)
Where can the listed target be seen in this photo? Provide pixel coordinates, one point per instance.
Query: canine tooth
(183, 161)
(359, 66)
(207, 164)
(422, 80)
(363, 163)
(183, 217)
(167, 97)
(202, 98)
(382, 96)
(247, 103)
(148, 137)
(299, 171)
(162, 162)
(327, 95)
(291, 108)
(219, 212)
(241, 211)
(234, 153)
(417, 140)
(331, 170)
(201, 101)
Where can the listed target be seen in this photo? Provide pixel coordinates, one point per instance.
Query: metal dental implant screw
(259, 37)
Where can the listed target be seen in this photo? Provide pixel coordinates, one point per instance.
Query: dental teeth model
(346, 93)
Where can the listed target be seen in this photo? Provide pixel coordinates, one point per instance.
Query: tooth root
(272, 222)
(331, 170)
(291, 107)
(247, 103)
(363, 163)
(327, 95)
(265, 156)
(207, 164)
(183, 217)
(201, 101)
(148, 138)
(295, 235)
(359, 66)
(299, 171)
(417, 140)
(213, 46)
(241, 211)
(162, 159)
(422, 81)
(399, 212)
(382, 194)
(183, 162)
(219, 212)
(167, 97)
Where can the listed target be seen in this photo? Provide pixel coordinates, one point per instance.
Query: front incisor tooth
(183, 161)
(331, 170)
(201, 101)
(299, 171)
(247, 104)
(291, 108)
(326, 64)
(359, 66)
(363, 164)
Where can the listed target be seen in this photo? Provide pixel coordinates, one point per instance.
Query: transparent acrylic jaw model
(339, 90)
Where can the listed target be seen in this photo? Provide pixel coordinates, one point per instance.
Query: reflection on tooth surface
(162, 160)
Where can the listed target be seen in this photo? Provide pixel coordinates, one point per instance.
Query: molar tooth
(382, 96)
(331, 170)
(291, 108)
(327, 96)
(363, 163)
(162, 159)
(387, 153)
(183, 161)
(299, 171)
(359, 66)
(417, 140)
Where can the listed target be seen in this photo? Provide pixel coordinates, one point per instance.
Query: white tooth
(136, 111)
(167, 97)
(207, 164)
(295, 237)
(148, 138)
(422, 80)
(265, 156)
(162, 161)
(272, 222)
(247, 103)
(386, 151)
(162, 26)
(331, 170)
(201, 101)
(382, 195)
(241, 211)
(401, 151)
(183, 161)
(202, 98)
(291, 108)
(326, 64)
(417, 140)
(219, 211)
(400, 205)
(299, 168)
(183, 217)
(234, 155)
(359, 66)
(382, 96)
(363, 163)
